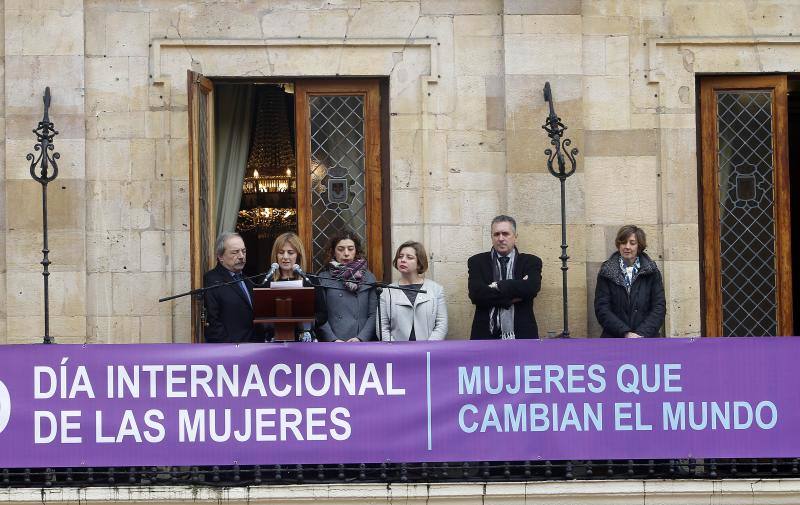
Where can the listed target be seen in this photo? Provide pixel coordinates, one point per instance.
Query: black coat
(481, 274)
(229, 315)
(642, 311)
(343, 314)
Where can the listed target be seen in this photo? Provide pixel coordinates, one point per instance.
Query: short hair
(338, 237)
(219, 245)
(293, 240)
(502, 218)
(419, 250)
(631, 229)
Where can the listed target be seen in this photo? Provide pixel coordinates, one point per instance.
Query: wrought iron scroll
(561, 154)
(44, 158)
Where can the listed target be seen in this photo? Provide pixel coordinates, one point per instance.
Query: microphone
(272, 269)
(299, 271)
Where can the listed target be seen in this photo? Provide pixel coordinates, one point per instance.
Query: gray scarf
(499, 318)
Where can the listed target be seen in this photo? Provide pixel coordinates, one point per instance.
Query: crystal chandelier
(270, 182)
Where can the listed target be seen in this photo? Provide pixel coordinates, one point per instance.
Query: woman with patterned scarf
(629, 299)
(346, 307)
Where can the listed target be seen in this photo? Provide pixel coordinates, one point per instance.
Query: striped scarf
(501, 320)
(349, 273)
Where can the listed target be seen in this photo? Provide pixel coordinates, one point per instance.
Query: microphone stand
(361, 283)
(377, 287)
(199, 293)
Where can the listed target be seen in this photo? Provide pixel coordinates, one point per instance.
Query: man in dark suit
(229, 309)
(502, 284)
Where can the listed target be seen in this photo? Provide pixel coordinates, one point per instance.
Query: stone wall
(32, 61)
(465, 97)
(2, 176)
(137, 180)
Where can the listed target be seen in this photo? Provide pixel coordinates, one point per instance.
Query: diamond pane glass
(338, 197)
(747, 220)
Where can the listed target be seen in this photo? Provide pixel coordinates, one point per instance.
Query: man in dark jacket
(229, 309)
(629, 299)
(502, 284)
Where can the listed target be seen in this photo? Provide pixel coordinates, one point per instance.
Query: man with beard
(229, 309)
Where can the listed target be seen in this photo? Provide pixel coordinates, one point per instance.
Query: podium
(283, 307)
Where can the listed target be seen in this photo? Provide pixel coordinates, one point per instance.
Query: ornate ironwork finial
(45, 132)
(561, 153)
(46, 100)
(46, 162)
(555, 130)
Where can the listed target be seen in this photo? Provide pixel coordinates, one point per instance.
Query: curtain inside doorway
(233, 110)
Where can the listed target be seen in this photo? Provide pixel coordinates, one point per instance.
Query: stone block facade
(465, 80)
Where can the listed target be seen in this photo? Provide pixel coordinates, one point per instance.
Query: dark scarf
(501, 320)
(349, 273)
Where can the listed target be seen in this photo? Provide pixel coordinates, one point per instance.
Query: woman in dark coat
(629, 299)
(346, 303)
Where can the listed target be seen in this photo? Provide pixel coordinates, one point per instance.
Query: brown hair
(338, 237)
(628, 230)
(293, 240)
(419, 250)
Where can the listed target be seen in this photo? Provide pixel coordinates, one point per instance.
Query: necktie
(503, 267)
(238, 277)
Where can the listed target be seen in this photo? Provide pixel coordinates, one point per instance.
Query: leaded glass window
(746, 212)
(337, 169)
(340, 169)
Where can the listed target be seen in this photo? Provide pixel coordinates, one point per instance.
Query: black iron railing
(510, 471)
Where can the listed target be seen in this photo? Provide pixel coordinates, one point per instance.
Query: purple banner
(142, 405)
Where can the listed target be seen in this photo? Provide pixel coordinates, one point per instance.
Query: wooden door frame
(709, 195)
(376, 168)
(370, 89)
(197, 84)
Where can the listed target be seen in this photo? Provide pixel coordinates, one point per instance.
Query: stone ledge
(655, 72)
(617, 492)
(158, 45)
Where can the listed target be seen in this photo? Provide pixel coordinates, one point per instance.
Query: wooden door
(201, 187)
(746, 231)
(339, 165)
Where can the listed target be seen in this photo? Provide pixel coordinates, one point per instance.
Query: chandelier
(267, 219)
(270, 184)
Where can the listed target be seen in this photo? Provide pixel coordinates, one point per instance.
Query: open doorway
(270, 156)
(256, 165)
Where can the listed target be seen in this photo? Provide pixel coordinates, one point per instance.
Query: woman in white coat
(409, 314)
